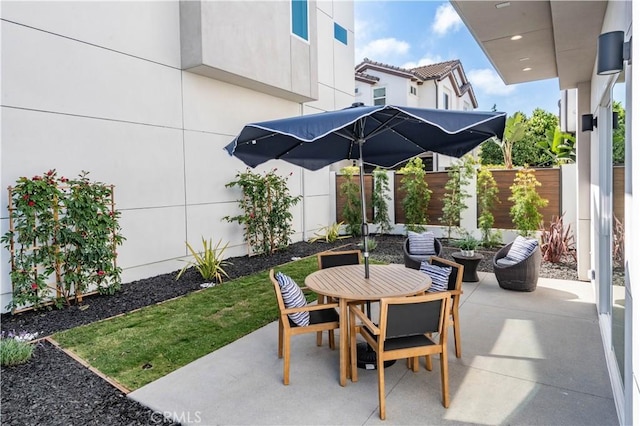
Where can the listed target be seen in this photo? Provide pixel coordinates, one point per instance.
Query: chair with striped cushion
(517, 265)
(420, 247)
(296, 317)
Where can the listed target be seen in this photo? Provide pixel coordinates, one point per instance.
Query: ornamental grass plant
(14, 351)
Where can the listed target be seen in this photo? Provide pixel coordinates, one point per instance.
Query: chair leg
(415, 364)
(381, 399)
(332, 340)
(456, 334)
(319, 333)
(287, 358)
(444, 371)
(353, 352)
(280, 333)
(427, 361)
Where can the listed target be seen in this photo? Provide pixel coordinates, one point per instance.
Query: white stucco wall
(97, 86)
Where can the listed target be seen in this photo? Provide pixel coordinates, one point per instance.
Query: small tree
(417, 195)
(352, 210)
(460, 173)
(526, 202)
(380, 197)
(487, 192)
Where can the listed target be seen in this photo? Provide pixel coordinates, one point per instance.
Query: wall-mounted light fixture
(588, 122)
(612, 52)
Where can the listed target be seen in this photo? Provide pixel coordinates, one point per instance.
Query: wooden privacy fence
(436, 182)
(551, 189)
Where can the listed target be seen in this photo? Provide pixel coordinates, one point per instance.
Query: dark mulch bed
(53, 389)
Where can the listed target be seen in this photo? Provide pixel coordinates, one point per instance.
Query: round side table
(470, 264)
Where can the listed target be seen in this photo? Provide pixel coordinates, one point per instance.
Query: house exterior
(560, 39)
(440, 86)
(145, 95)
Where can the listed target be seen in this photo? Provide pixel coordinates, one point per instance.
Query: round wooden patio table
(347, 283)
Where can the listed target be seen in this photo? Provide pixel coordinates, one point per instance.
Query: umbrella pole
(365, 226)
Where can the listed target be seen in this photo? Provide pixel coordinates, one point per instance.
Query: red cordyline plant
(557, 241)
(62, 238)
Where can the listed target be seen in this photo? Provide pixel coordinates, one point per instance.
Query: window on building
(413, 90)
(445, 101)
(340, 33)
(380, 96)
(300, 18)
(357, 90)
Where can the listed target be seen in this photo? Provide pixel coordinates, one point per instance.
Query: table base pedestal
(367, 359)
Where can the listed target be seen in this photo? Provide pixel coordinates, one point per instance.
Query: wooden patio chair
(330, 259)
(321, 317)
(405, 331)
(455, 288)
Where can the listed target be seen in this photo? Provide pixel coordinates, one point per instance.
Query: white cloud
(427, 60)
(362, 30)
(382, 50)
(488, 82)
(446, 19)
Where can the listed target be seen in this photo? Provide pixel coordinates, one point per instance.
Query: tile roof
(367, 78)
(438, 70)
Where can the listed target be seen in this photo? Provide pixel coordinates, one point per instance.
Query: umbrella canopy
(378, 135)
(387, 134)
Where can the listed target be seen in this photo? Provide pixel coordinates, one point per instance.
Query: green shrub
(417, 195)
(487, 193)
(526, 202)
(266, 216)
(352, 210)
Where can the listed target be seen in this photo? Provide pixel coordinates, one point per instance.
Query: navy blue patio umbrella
(382, 136)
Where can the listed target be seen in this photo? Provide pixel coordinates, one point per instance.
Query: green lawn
(140, 347)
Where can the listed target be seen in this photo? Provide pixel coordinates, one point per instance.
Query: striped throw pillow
(522, 248)
(293, 298)
(422, 243)
(439, 276)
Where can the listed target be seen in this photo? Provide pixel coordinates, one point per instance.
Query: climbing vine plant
(266, 210)
(62, 236)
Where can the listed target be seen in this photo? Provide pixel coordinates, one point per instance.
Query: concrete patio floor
(527, 358)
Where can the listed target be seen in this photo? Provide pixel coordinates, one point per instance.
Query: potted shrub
(468, 245)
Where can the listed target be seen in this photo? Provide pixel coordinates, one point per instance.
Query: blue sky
(414, 33)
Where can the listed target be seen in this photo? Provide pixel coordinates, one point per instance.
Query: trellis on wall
(63, 234)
